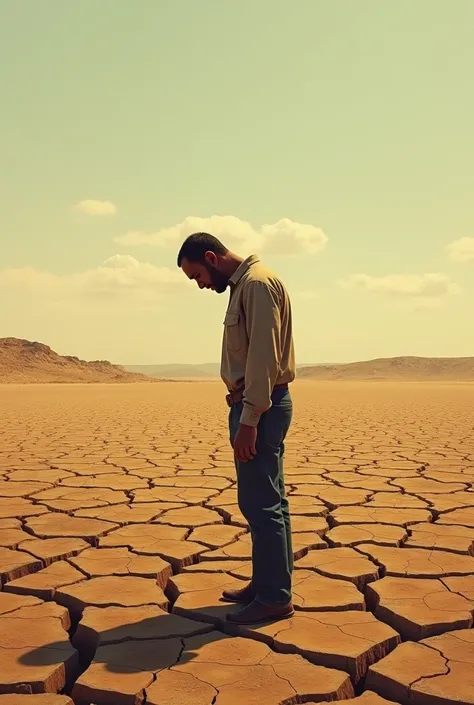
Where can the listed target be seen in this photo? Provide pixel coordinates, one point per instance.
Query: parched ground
(119, 529)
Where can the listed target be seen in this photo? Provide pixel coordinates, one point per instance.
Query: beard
(219, 281)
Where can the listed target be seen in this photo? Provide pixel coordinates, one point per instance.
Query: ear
(211, 258)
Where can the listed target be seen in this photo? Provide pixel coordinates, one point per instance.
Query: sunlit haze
(334, 139)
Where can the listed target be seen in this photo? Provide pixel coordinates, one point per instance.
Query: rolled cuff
(250, 417)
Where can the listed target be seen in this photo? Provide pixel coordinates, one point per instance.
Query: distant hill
(23, 361)
(207, 370)
(396, 368)
(391, 368)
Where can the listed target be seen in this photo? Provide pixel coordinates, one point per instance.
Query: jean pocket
(275, 424)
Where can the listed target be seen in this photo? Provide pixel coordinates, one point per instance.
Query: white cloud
(405, 285)
(119, 281)
(461, 250)
(283, 238)
(121, 271)
(93, 207)
(286, 238)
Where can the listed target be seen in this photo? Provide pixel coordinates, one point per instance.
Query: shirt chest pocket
(232, 334)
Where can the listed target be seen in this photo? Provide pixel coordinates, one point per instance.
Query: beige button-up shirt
(257, 345)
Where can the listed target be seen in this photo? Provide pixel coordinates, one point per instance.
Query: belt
(236, 396)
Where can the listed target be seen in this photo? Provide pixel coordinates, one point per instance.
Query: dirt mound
(396, 368)
(33, 362)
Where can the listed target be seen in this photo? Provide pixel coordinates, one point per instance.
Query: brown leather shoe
(257, 612)
(242, 596)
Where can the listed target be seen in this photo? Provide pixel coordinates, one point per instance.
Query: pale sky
(334, 138)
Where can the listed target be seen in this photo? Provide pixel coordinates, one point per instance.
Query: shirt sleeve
(263, 323)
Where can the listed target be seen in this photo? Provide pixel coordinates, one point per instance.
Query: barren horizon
(23, 361)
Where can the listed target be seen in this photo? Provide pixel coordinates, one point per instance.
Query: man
(257, 366)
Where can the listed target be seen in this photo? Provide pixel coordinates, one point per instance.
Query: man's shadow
(149, 645)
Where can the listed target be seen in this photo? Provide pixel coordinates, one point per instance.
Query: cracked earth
(119, 529)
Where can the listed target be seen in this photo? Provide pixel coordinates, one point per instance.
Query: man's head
(203, 257)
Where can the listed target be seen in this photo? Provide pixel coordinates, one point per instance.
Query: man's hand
(244, 443)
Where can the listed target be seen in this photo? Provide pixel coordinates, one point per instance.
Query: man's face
(206, 274)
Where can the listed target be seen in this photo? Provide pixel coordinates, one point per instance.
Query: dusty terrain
(119, 528)
(31, 362)
(399, 369)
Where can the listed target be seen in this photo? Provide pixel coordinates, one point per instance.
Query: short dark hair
(196, 245)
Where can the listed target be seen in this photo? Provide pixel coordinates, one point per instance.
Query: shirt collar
(242, 268)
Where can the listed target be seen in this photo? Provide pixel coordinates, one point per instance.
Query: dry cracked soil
(119, 529)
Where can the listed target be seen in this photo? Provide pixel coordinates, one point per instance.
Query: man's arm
(262, 313)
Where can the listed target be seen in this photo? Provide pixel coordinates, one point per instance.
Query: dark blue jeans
(262, 500)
